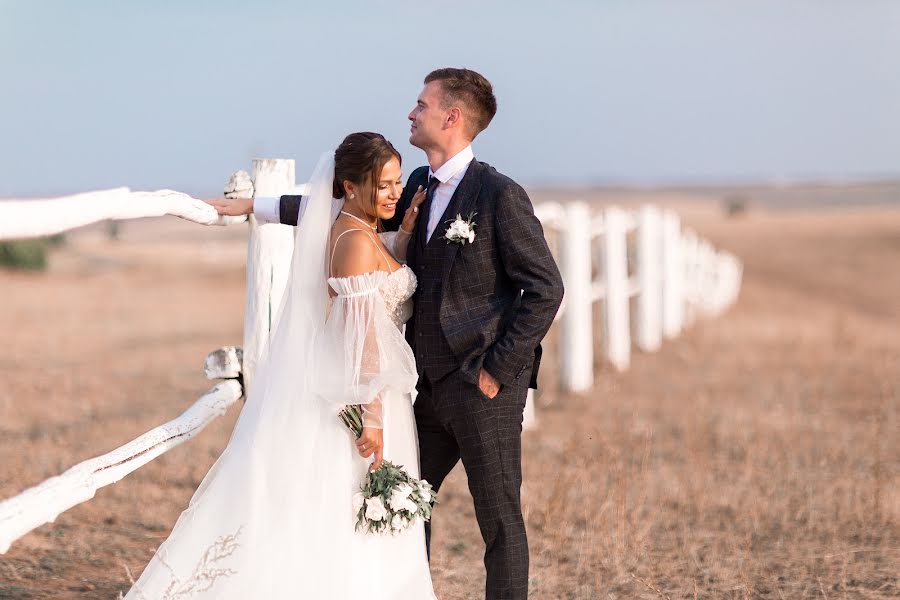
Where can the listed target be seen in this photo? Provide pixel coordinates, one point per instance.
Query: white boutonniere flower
(461, 230)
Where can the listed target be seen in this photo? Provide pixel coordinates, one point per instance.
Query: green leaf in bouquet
(351, 416)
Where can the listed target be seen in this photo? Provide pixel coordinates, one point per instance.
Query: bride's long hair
(360, 159)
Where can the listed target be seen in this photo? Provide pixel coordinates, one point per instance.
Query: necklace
(372, 227)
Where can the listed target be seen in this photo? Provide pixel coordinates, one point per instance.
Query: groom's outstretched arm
(285, 209)
(528, 262)
(289, 209)
(266, 209)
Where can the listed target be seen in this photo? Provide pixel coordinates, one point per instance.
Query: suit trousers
(456, 421)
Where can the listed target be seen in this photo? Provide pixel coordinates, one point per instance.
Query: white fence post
(648, 318)
(269, 253)
(673, 276)
(577, 343)
(692, 285)
(614, 266)
(731, 271)
(708, 277)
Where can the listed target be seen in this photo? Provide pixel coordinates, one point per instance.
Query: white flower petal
(358, 500)
(397, 523)
(375, 510)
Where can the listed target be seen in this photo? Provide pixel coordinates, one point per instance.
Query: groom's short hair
(469, 89)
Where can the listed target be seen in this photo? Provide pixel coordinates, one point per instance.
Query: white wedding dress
(274, 518)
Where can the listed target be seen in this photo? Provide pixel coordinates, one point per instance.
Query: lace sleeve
(363, 352)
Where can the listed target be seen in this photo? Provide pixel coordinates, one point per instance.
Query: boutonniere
(461, 230)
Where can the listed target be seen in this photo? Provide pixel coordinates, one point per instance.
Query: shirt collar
(454, 166)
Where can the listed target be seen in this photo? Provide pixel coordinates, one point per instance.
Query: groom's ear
(454, 118)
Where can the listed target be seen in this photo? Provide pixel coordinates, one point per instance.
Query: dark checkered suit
(485, 304)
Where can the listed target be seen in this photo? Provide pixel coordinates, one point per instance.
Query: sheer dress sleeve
(364, 354)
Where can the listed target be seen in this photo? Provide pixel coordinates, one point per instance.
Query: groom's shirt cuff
(266, 209)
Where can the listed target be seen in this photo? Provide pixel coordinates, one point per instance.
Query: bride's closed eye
(384, 186)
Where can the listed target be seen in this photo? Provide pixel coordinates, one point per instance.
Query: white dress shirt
(449, 174)
(267, 209)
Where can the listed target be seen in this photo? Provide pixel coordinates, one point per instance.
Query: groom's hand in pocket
(488, 385)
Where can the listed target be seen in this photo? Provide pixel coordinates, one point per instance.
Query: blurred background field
(756, 456)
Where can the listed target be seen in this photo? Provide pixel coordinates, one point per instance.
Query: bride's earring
(353, 196)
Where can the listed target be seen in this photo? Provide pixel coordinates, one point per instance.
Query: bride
(274, 517)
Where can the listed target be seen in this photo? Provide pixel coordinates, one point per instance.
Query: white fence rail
(610, 256)
(44, 502)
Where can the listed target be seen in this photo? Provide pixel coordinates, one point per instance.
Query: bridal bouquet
(389, 500)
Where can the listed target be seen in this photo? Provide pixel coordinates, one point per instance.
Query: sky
(179, 94)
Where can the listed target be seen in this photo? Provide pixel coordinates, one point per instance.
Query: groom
(482, 307)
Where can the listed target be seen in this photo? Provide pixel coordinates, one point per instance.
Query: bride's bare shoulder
(353, 252)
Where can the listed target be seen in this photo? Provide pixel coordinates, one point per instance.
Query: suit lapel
(463, 203)
(418, 235)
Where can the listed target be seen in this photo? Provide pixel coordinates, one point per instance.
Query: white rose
(453, 230)
(463, 229)
(375, 510)
(358, 500)
(400, 500)
(397, 523)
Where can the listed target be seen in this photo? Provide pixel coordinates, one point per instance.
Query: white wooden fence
(651, 277)
(677, 277)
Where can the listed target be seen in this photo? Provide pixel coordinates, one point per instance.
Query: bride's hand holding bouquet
(390, 500)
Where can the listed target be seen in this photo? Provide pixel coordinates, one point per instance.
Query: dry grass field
(756, 456)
